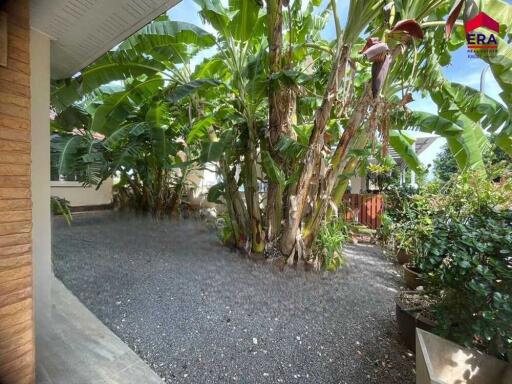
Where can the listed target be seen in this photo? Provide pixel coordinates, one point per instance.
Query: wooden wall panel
(16, 308)
(363, 209)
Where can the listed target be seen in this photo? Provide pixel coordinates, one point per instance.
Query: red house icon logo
(482, 41)
(482, 20)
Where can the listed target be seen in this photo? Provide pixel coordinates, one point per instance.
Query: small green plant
(385, 232)
(60, 206)
(329, 243)
(225, 230)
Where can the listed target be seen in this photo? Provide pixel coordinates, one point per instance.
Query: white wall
(80, 196)
(356, 184)
(40, 172)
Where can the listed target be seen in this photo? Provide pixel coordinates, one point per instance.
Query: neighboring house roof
(83, 30)
(422, 143)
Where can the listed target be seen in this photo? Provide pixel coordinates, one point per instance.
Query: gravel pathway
(198, 313)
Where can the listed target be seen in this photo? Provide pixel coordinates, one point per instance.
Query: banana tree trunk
(252, 192)
(175, 203)
(342, 185)
(280, 111)
(236, 207)
(273, 211)
(337, 164)
(298, 201)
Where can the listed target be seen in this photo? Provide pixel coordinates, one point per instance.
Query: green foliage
(272, 170)
(60, 206)
(403, 145)
(495, 160)
(466, 262)
(216, 193)
(143, 152)
(360, 14)
(162, 115)
(427, 122)
(465, 118)
(116, 107)
(329, 243)
(144, 119)
(445, 165)
(77, 157)
(225, 230)
(385, 231)
(460, 236)
(409, 214)
(189, 88)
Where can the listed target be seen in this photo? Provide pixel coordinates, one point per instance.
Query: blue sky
(462, 69)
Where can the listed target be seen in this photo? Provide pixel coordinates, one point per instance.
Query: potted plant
(412, 272)
(413, 311)
(403, 254)
(403, 244)
(412, 275)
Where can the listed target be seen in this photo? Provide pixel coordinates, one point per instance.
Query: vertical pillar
(41, 219)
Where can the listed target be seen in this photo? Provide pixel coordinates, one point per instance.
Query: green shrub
(467, 262)
(385, 232)
(408, 218)
(225, 230)
(329, 243)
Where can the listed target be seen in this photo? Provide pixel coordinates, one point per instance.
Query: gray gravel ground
(199, 313)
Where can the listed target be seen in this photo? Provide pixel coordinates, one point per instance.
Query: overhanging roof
(422, 143)
(83, 30)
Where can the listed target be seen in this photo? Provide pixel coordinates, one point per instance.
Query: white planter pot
(439, 361)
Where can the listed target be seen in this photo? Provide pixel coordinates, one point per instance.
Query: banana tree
(278, 105)
(295, 44)
(145, 152)
(500, 62)
(384, 51)
(143, 98)
(361, 13)
(240, 39)
(364, 111)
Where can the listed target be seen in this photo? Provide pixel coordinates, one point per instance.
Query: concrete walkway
(74, 347)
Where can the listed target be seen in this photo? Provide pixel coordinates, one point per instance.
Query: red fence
(364, 209)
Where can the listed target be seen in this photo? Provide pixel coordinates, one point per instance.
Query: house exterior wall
(357, 184)
(80, 196)
(16, 304)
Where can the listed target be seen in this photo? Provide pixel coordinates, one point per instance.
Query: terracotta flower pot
(408, 318)
(411, 276)
(402, 256)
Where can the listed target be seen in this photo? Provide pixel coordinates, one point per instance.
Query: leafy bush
(467, 262)
(408, 217)
(397, 199)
